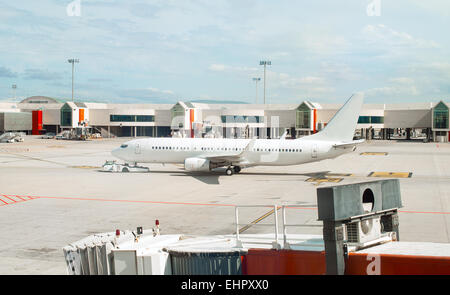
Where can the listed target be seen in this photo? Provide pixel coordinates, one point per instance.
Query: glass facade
(145, 118)
(370, 120)
(242, 119)
(440, 116)
(66, 116)
(131, 118)
(303, 117)
(178, 116)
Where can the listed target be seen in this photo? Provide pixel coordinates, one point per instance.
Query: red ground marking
(173, 203)
(5, 196)
(9, 197)
(20, 198)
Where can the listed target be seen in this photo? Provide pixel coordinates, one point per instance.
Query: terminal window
(303, 117)
(440, 116)
(66, 117)
(131, 118)
(370, 120)
(242, 119)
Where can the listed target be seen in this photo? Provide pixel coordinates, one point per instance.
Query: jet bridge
(360, 237)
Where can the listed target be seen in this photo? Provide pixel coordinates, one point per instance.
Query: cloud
(312, 85)
(149, 94)
(338, 71)
(383, 35)
(212, 48)
(232, 69)
(7, 73)
(398, 86)
(38, 74)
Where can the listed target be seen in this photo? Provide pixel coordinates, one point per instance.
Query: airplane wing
(348, 144)
(234, 157)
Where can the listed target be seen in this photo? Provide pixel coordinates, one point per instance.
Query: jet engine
(197, 164)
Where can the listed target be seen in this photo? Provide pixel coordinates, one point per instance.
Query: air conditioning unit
(362, 232)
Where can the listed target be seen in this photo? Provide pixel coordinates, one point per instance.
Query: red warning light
(156, 222)
(117, 232)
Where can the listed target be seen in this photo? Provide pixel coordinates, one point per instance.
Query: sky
(164, 51)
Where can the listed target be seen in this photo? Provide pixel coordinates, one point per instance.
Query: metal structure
(276, 242)
(357, 216)
(14, 87)
(73, 61)
(256, 87)
(265, 63)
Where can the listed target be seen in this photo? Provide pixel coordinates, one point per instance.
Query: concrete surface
(76, 199)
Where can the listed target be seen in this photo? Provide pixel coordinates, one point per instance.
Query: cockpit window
(124, 146)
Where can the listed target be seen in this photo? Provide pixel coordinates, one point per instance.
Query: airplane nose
(116, 153)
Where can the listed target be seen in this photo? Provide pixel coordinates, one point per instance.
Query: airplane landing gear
(229, 171)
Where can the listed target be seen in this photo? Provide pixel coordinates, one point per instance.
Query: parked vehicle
(11, 137)
(48, 135)
(112, 166)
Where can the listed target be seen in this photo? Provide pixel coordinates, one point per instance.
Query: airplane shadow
(213, 176)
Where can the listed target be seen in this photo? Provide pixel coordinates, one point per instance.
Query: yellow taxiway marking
(373, 154)
(324, 179)
(390, 174)
(257, 220)
(86, 167)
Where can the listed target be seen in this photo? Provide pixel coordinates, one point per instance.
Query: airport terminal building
(39, 114)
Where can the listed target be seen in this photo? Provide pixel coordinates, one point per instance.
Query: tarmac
(53, 192)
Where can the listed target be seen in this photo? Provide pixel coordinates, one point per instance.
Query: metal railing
(274, 211)
(255, 223)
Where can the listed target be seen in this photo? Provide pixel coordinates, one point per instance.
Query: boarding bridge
(360, 236)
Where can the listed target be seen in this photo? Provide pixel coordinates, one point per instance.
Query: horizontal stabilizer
(348, 144)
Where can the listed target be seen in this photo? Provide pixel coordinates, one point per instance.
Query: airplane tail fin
(342, 126)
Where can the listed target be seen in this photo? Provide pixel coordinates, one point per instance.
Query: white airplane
(205, 154)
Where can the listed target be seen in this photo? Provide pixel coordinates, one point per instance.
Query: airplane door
(137, 149)
(314, 151)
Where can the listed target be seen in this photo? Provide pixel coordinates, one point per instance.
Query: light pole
(256, 80)
(14, 87)
(73, 61)
(265, 63)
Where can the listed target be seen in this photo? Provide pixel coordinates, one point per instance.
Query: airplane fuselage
(266, 152)
(205, 154)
